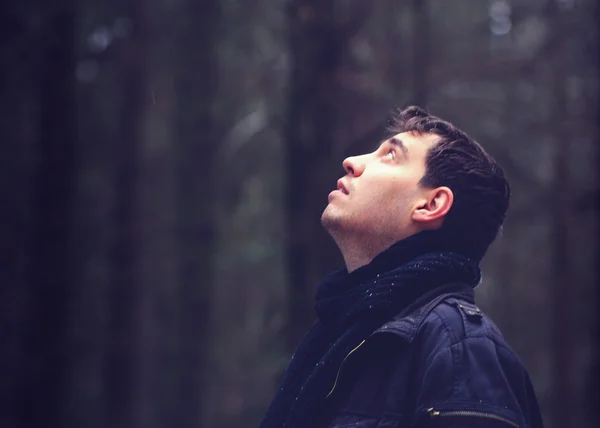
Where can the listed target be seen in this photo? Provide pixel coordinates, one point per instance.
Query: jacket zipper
(342, 365)
(469, 413)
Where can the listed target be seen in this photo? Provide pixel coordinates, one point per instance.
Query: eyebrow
(398, 143)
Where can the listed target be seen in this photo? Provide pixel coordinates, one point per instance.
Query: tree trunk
(593, 392)
(19, 89)
(47, 344)
(421, 51)
(197, 144)
(122, 371)
(315, 57)
(562, 287)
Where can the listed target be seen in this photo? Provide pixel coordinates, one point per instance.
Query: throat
(360, 252)
(356, 259)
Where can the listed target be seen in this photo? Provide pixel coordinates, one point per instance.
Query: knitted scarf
(350, 306)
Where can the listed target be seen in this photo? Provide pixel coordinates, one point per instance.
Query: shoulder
(455, 323)
(448, 319)
(461, 362)
(456, 342)
(467, 364)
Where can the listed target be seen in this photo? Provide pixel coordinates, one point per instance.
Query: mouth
(341, 187)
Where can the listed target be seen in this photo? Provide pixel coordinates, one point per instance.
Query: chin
(335, 222)
(329, 219)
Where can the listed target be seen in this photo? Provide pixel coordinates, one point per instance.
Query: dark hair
(481, 192)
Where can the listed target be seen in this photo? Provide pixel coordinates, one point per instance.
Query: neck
(360, 251)
(355, 257)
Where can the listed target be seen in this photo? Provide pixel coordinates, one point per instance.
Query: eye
(391, 154)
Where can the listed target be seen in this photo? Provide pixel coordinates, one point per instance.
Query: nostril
(348, 165)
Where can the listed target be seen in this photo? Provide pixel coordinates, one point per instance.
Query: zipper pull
(433, 412)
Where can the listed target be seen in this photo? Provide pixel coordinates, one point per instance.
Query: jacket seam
(453, 351)
(453, 338)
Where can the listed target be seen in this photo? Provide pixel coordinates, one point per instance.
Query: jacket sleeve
(475, 383)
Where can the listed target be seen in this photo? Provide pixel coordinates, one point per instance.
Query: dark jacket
(442, 363)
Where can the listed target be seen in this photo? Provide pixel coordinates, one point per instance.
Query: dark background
(165, 163)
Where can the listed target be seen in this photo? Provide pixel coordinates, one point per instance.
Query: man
(399, 341)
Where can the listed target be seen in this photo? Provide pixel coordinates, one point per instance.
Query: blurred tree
(420, 51)
(148, 80)
(317, 43)
(19, 123)
(315, 54)
(165, 219)
(123, 352)
(562, 298)
(47, 346)
(196, 139)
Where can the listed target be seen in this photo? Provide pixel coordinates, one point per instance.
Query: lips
(341, 187)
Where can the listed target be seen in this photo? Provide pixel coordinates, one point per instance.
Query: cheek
(389, 192)
(403, 197)
(400, 188)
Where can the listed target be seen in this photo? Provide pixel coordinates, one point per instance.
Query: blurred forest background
(165, 164)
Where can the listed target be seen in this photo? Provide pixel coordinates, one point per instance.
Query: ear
(433, 207)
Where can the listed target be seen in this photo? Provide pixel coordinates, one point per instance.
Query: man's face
(376, 198)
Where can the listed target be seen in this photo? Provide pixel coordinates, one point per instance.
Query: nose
(354, 165)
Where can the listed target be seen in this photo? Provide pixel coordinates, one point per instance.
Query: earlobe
(435, 207)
